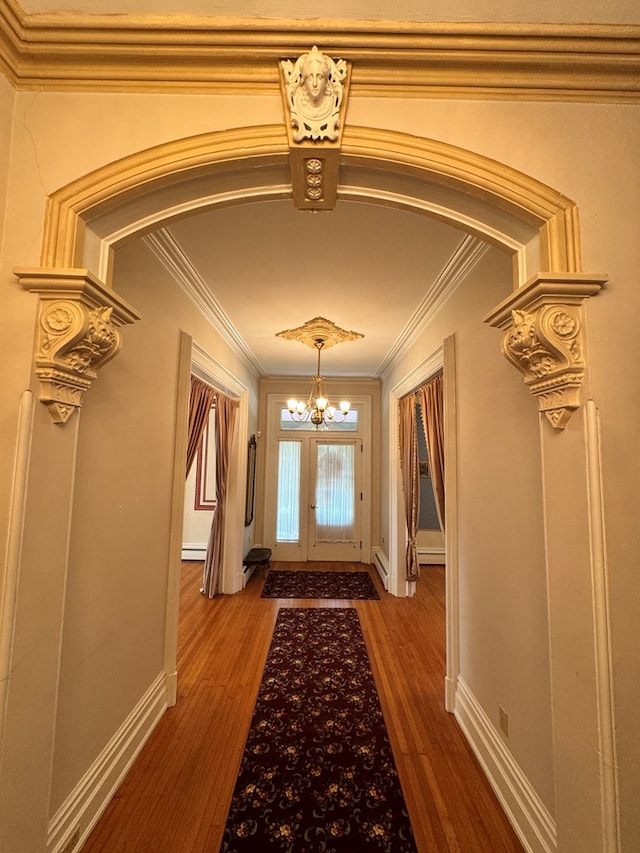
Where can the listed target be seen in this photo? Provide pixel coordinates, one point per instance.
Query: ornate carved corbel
(545, 338)
(77, 334)
(315, 89)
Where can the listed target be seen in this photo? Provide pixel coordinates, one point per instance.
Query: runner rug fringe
(303, 584)
(318, 774)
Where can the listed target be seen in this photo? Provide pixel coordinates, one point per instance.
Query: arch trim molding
(72, 209)
(95, 209)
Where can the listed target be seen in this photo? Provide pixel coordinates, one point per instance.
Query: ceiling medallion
(319, 334)
(319, 329)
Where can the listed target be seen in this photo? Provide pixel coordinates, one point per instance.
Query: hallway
(177, 794)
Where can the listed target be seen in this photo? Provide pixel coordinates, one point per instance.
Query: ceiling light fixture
(317, 408)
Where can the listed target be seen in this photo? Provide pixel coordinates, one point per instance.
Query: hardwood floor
(176, 797)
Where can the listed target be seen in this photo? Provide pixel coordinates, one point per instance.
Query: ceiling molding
(169, 252)
(461, 264)
(584, 62)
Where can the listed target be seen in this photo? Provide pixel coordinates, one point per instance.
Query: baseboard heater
(381, 567)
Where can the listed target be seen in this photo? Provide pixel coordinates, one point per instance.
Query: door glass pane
(335, 493)
(288, 512)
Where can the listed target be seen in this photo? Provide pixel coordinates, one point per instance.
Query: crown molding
(585, 62)
(459, 267)
(169, 252)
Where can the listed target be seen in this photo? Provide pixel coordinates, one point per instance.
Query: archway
(88, 219)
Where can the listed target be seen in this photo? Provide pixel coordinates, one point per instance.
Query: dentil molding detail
(77, 334)
(545, 338)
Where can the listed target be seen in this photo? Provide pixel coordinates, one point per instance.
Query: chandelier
(317, 407)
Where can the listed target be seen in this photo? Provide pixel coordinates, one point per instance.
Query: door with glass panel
(334, 500)
(319, 499)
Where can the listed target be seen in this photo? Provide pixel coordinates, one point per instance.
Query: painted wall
(7, 100)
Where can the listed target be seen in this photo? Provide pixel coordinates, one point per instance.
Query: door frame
(292, 552)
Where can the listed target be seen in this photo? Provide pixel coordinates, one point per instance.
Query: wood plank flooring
(176, 796)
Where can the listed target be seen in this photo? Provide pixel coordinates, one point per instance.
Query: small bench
(258, 557)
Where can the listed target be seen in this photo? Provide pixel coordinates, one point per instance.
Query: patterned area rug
(317, 774)
(346, 585)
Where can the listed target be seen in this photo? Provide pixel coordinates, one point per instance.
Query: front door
(334, 500)
(316, 499)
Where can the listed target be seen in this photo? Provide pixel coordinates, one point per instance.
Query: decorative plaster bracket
(77, 333)
(315, 90)
(546, 340)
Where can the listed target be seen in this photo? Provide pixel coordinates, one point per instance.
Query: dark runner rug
(289, 584)
(317, 774)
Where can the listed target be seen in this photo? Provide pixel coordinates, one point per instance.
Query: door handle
(313, 506)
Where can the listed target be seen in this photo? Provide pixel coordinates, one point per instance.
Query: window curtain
(201, 398)
(430, 396)
(335, 493)
(408, 438)
(226, 410)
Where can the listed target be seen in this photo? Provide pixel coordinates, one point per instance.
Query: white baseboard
(381, 565)
(527, 813)
(195, 551)
(70, 826)
(432, 556)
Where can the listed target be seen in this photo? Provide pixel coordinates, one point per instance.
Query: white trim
(602, 631)
(171, 254)
(461, 264)
(528, 815)
(381, 565)
(194, 551)
(205, 366)
(432, 556)
(452, 602)
(13, 552)
(84, 806)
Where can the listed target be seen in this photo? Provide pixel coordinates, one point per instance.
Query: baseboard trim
(432, 556)
(194, 551)
(527, 813)
(381, 565)
(70, 826)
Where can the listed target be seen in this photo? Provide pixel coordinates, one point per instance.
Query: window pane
(335, 493)
(288, 511)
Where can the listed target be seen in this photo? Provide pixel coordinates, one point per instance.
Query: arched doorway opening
(90, 218)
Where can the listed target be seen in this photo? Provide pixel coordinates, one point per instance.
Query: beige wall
(7, 100)
(588, 152)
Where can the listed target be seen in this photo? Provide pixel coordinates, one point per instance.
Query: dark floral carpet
(292, 584)
(317, 774)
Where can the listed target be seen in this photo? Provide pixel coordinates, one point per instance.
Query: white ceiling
(272, 267)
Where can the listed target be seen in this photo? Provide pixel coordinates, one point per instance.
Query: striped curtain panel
(408, 439)
(226, 410)
(431, 400)
(201, 398)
